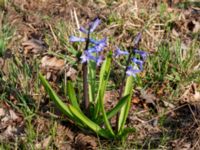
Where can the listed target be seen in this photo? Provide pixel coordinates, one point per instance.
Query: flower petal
(82, 29)
(76, 39)
(143, 54)
(137, 38)
(87, 56)
(138, 62)
(119, 52)
(99, 60)
(98, 46)
(132, 72)
(94, 24)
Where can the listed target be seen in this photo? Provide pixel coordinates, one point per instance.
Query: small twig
(167, 112)
(193, 114)
(77, 22)
(52, 32)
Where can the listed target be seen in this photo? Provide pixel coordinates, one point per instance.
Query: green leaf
(95, 127)
(72, 95)
(92, 80)
(125, 109)
(53, 96)
(117, 108)
(104, 75)
(125, 133)
(72, 112)
(119, 105)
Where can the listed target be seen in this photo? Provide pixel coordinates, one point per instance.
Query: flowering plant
(93, 115)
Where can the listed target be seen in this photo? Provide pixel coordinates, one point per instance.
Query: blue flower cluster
(94, 48)
(92, 52)
(137, 64)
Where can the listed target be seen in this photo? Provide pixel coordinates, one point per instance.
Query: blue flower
(143, 54)
(86, 57)
(82, 29)
(137, 38)
(98, 47)
(132, 72)
(92, 26)
(119, 52)
(99, 60)
(76, 39)
(138, 62)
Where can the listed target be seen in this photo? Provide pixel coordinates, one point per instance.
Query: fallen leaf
(191, 94)
(85, 142)
(44, 143)
(52, 66)
(2, 112)
(9, 132)
(13, 115)
(168, 104)
(135, 100)
(33, 46)
(149, 100)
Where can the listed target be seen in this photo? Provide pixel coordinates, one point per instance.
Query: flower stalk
(85, 78)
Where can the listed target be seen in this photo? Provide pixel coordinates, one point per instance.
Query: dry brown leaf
(181, 144)
(149, 100)
(9, 132)
(191, 94)
(168, 104)
(2, 112)
(64, 138)
(52, 62)
(53, 67)
(44, 143)
(13, 115)
(85, 142)
(135, 100)
(33, 46)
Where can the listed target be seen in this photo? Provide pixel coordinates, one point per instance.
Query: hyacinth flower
(76, 39)
(132, 72)
(138, 62)
(91, 52)
(137, 39)
(129, 68)
(143, 54)
(119, 52)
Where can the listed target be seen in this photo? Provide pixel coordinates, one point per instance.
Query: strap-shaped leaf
(92, 80)
(72, 95)
(72, 112)
(95, 127)
(53, 96)
(104, 76)
(119, 105)
(125, 109)
(117, 108)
